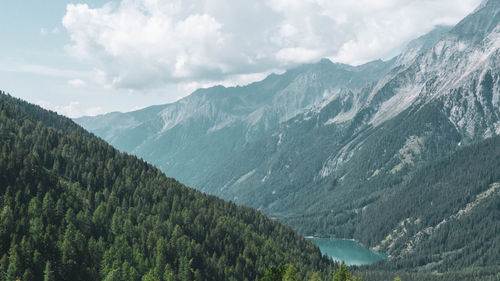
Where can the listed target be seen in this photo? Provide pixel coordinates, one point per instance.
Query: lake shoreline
(348, 250)
(346, 239)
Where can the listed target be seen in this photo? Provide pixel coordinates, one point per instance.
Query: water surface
(351, 252)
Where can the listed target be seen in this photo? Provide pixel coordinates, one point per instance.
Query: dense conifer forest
(74, 208)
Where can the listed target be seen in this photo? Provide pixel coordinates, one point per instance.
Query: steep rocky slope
(426, 107)
(190, 137)
(346, 140)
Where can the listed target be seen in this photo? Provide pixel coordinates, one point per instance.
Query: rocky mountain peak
(480, 23)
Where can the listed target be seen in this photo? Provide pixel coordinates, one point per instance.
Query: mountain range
(379, 152)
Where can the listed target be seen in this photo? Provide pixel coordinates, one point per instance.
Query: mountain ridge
(348, 150)
(74, 208)
(210, 115)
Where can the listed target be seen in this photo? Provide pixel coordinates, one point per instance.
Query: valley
(333, 150)
(151, 140)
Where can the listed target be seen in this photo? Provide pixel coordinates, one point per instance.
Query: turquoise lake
(351, 252)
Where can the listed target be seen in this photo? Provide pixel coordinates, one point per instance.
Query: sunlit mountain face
(262, 140)
(322, 146)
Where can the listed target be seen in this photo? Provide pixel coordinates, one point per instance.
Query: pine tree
(48, 274)
(315, 277)
(290, 273)
(342, 273)
(14, 269)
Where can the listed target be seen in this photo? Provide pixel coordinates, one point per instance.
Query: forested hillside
(445, 217)
(74, 208)
(320, 144)
(449, 208)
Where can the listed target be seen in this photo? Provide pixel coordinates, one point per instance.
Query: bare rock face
(319, 145)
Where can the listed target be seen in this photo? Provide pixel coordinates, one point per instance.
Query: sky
(91, 57)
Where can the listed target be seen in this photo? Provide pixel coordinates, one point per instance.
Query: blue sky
(93, 56)
(35, 65)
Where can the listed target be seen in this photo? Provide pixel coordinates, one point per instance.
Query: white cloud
(137, 107)
(138, 44)
(76, 83)
(45, 70)
(299, 55)
(230, 81)
(92, 111)
(72, 110)
(44, 31)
